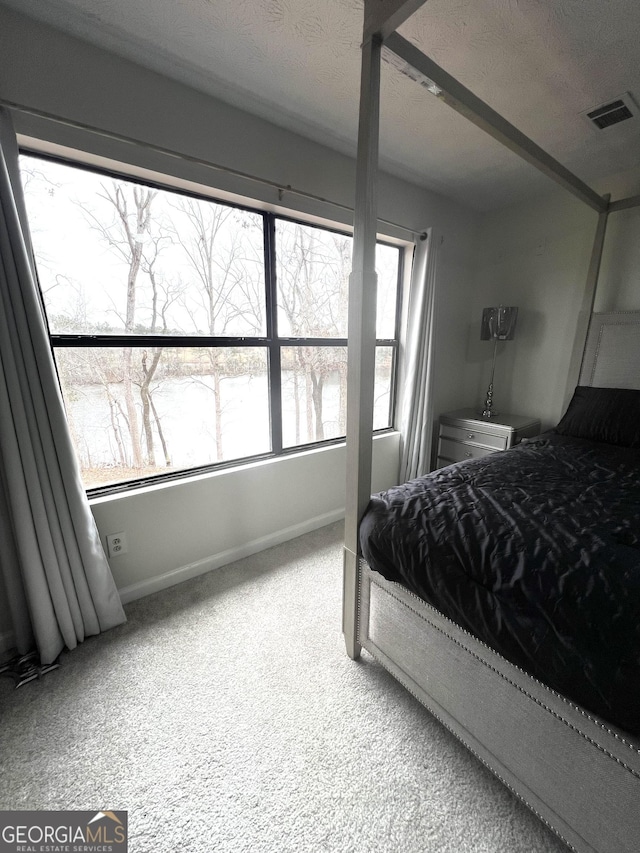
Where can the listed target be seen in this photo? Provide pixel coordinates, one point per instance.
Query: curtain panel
(58, 583)
(416, 422)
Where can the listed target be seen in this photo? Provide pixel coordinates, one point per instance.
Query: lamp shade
(498, 323)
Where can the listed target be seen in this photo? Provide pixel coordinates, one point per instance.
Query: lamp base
(488, 410)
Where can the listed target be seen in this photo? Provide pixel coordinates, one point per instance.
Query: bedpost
(588, 302)
(362, 335)
(383, 17)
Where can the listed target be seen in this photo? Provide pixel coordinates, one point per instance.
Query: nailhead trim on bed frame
(517, 686)
(420, 608)
(473, 752)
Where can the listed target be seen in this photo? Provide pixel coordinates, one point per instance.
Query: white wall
(71, 79)
(178, 530)
(183, 527)
(536, 256)
(619, 285)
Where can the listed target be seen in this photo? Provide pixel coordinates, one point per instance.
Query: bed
(536, 552)
(573, 756)
(552, 741)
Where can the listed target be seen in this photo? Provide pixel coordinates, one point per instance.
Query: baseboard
(192, 570)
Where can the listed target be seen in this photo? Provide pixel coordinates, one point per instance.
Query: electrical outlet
(117, 544)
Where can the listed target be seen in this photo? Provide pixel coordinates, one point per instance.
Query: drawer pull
(469, 454)
(471, 435)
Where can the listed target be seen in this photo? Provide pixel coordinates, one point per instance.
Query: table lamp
(498, 324)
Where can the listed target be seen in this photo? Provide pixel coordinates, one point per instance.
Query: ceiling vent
(620, 109)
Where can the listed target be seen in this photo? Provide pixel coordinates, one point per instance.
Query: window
(189, 333)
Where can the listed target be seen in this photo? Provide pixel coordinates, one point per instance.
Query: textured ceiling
(540, 63)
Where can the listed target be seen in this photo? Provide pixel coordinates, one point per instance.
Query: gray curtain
(58, 584)
(416, 422)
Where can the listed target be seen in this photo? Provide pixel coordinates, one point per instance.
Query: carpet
(226, 716)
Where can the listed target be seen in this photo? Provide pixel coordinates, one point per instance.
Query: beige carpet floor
(226, 716)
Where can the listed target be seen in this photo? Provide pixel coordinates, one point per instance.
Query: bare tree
(227, 293)
(313, 292)
(85, 367)
(134, 239)
(149, 367)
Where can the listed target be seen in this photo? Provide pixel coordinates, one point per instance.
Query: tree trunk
(132, 414)
(296, 403)
(148, 372)
(342, 411)
(309, 402)
(165, 449)
(146, 425)
(142, 218)
(116, 430)
(317, 384)
(218, 405)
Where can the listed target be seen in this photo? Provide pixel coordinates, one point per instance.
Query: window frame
(272, 342)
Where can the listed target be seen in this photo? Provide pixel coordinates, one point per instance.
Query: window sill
(124, 490)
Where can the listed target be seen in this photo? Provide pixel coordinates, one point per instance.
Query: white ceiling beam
(383, 17)
(624, 203)
(459, 98)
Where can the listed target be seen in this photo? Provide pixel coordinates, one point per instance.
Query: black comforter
(536, 551)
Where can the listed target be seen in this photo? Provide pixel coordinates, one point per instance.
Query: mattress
(535, 551)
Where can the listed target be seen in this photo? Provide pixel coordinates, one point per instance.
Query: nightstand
(465, 434)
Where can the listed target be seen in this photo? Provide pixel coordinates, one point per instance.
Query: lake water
(186, 410)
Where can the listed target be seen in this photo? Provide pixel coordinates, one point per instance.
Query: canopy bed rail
(578, 773)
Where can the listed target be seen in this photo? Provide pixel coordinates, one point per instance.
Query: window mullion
(275, 360)
(114, 340)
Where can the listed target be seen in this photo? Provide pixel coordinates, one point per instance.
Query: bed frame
(580, 776)
(577, 773)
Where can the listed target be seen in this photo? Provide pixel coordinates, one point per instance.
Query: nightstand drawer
(474, 436)
(456, 451)
(466, 435)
